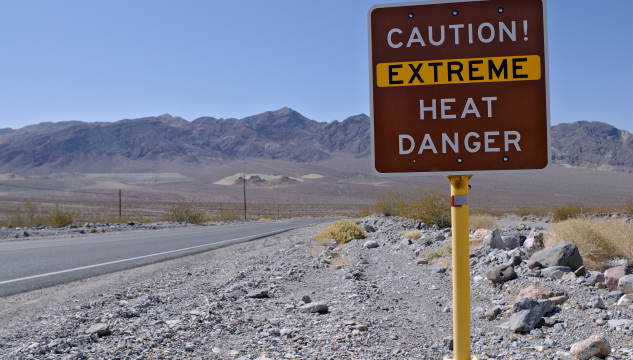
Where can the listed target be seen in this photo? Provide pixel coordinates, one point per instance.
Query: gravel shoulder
(281, 297)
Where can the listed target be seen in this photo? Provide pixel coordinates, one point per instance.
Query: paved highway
(34, 264)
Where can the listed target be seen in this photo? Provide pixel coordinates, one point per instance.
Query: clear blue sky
(110, 60)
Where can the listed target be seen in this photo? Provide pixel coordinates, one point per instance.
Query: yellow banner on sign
(459, 71)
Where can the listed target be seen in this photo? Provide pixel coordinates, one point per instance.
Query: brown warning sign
(459, 87)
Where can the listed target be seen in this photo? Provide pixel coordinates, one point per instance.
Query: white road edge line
(145, 256)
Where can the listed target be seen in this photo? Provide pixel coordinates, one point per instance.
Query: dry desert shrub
(227, 215)
(536, 211)
(24, 214)
(446, 250)
(392, 204)
(569, 211)
(483, 222)
(411, 234)
(364, 213)
(59, 217)
(186, 211)
(322, 241)
(429, 205)
(341, 231)
(598, 240)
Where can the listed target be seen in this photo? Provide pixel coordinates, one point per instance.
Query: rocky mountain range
(282, 135)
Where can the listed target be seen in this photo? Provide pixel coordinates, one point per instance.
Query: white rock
(534, 243)
(314, 308)
(626, 300)
(622, 322)
(370, 244)
(100, 329)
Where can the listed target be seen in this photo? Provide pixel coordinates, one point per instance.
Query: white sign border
(433, 173)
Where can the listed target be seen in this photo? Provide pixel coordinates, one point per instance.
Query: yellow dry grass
(475, 244)
(482, 222)
(598, 240)
(322, 241)
(411, 234)
(342, 231)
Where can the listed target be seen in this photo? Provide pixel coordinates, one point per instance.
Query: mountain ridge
(283, 134)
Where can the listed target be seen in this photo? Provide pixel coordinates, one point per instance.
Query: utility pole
(244, 195)
(119, 204)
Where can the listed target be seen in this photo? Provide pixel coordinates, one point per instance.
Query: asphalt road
(35, 264)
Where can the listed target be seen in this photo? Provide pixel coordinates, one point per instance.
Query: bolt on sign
(459, 87)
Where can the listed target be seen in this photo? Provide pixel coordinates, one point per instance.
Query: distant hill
(592, 145)
(282, 135)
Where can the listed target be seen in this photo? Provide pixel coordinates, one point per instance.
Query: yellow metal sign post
(461, 267)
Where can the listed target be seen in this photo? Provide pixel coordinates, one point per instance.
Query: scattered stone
(401, 303)
(510, 242)
(479, 234)
(596, 303)
(625, 284)
(595, 345)
(526, 314)
(557, 275)
(626, 300)
(316, 307)
(534, 273)
(492, 313)
(547, 272)
(533, 292)
(369, 228)
(515, 260)
(580, 271)
(448, 342)
(614, 295)
(258, 293)
(621, 322)
(562, 253)
(559, 300)
(501, 273)
(494, 241)
(613, 275)
(534, 243)
(101, 329)
(370, 244)
(594, 279)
